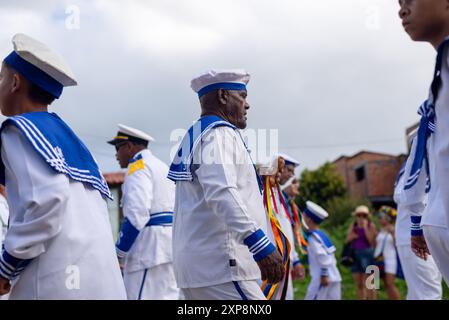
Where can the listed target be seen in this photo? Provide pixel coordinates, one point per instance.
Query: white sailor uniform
(428, 168)
(321, 256)
(145, 239)
(59, 242)
(219, 220)
(422, 277)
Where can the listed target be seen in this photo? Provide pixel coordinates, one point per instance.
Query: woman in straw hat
(362, 236)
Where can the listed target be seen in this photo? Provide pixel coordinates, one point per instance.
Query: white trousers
(437, 239)
(156, 283)
(422, 277)
(316, 292)
(235, 290)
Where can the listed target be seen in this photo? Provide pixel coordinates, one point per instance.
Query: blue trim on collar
(324, 240)
(60, 148)
(222, 85)
(34, 74)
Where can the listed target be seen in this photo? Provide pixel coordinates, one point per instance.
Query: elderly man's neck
(218, 112)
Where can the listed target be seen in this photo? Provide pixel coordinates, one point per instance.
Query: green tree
(320, 185)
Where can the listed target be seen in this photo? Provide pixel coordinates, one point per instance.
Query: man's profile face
(424, 20)
(236, 108)
(123, 153)
(287, 173)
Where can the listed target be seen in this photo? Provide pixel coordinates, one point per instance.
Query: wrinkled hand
(299, 272)
(272, 267)
(5, 286)
(324, 281)
(419, 247)
(276, 178)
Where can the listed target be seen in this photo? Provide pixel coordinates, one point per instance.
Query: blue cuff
(324, 272)
(296, 263)
(11, 267)
(127, 237)
(416, 229)
(259, 245)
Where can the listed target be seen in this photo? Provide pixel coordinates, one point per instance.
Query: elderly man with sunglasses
(144, 247)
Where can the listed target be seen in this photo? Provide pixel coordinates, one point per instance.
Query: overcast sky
(334, 77)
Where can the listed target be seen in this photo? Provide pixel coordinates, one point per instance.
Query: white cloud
(327, 74)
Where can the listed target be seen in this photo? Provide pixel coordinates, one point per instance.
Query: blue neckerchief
(61, 149)
(324, 240)
(426, 126)
(181, 167)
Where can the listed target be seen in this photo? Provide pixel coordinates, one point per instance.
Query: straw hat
(361, 209)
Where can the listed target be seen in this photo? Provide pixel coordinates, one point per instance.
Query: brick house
(370, 175)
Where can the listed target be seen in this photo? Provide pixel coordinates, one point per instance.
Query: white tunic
(437, 210)
(320, 258)
(215, 213)
(422, 276)
(61, 224)
(322, 262)
(144, 192)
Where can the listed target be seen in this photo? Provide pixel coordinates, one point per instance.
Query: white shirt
(320, 258)
(148, 191)
(215, 213)
(61, 224)
(385, 246)
(437, 210)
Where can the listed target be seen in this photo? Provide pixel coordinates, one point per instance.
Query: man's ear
(223, 95)
(16, 83)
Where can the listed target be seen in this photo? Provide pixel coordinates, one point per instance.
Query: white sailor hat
(40, 65)
(231, 79)
(315, 212)
(288, 183)
(289, 160)
(126, 133)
